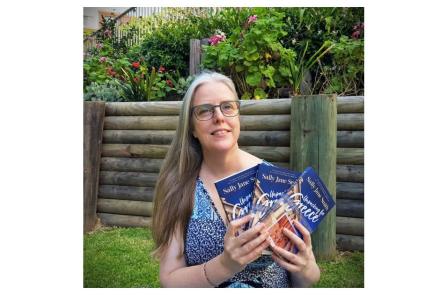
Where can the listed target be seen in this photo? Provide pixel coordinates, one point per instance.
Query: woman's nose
(218, 115)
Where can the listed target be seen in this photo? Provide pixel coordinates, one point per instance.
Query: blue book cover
(271, 184)
(235, 192)
(311, 199)
(307, 200)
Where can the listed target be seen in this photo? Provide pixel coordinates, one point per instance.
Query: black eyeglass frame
(212, 109)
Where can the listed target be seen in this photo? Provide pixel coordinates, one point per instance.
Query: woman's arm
(239, 251)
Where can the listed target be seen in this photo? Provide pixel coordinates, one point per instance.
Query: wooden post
(194, 56)
(93, 128)
(313, 143)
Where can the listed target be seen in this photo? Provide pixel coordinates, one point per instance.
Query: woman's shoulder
(250, 159)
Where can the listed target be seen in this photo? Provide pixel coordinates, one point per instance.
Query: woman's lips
(220, 132)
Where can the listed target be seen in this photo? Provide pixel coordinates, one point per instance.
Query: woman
(195, 245)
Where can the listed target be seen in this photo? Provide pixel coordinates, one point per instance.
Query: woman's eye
(228, 106)
(204, 110)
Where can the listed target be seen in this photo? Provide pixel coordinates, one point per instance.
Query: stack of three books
(276, 196)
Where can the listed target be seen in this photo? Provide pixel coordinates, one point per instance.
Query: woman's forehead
(212, 92)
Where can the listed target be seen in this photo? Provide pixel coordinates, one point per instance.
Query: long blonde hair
(174, 192)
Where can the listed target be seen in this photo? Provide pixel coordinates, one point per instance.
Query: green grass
(345, 271)
(120, 257)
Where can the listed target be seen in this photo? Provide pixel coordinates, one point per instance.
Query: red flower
(135, 65)
(161, 69)
(169, 83)
(111, 72)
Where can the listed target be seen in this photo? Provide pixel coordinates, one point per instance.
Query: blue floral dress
(204, 241)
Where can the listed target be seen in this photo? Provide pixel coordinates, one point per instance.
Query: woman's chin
(222, 147)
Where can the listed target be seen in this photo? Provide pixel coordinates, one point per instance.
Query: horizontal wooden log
(350, 190)
(124, 207)
(251, 122)
(345, 104)
(248, 122)
(265, 107)
(270, 153)
(352, 156)
(350, 122)
(349, 243)
(141, 122)
(350, 173)
(128, 178)
(265, 122)
(131, 164)
(350, 104)
(248, 107)
(264, 138)
(347, 139)
(152, 108)
(122, 192)
(350, 139)
(350, 226)
(124, 220)
(349, 177)
(134, 150)
(139, 136)
(350, 208)
(258, 138)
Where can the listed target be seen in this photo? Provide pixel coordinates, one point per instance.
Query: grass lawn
(120, 257)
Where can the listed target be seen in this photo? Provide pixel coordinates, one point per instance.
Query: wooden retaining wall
(137, 135)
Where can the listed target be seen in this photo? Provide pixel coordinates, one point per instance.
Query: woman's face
(220, 133)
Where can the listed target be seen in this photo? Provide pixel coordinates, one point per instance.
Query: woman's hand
(301, 265)
(243, 249)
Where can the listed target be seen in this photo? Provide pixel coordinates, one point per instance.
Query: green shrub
(107, 91)
(345, 74)
(252, 55)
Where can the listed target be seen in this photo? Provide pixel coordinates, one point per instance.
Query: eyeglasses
(205, 112)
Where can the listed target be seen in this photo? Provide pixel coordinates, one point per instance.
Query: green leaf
(252, 57)
(253, 79)
(259, 93)
(246, 96)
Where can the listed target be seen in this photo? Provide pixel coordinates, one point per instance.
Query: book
(271, 183)
(307, 201)
(235, 193)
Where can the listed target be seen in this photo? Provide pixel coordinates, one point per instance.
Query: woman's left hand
(301, 265)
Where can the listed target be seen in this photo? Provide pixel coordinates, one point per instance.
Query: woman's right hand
(241, 250)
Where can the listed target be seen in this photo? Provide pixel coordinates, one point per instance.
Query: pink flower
(218, 37)
(252, 19)
(102, 59)
(358, 30)
(99, 45)
(356, 35)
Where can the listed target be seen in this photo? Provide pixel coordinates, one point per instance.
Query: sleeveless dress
(204, 241)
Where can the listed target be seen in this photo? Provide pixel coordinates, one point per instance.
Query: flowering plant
(252, 55)
(219, 36)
